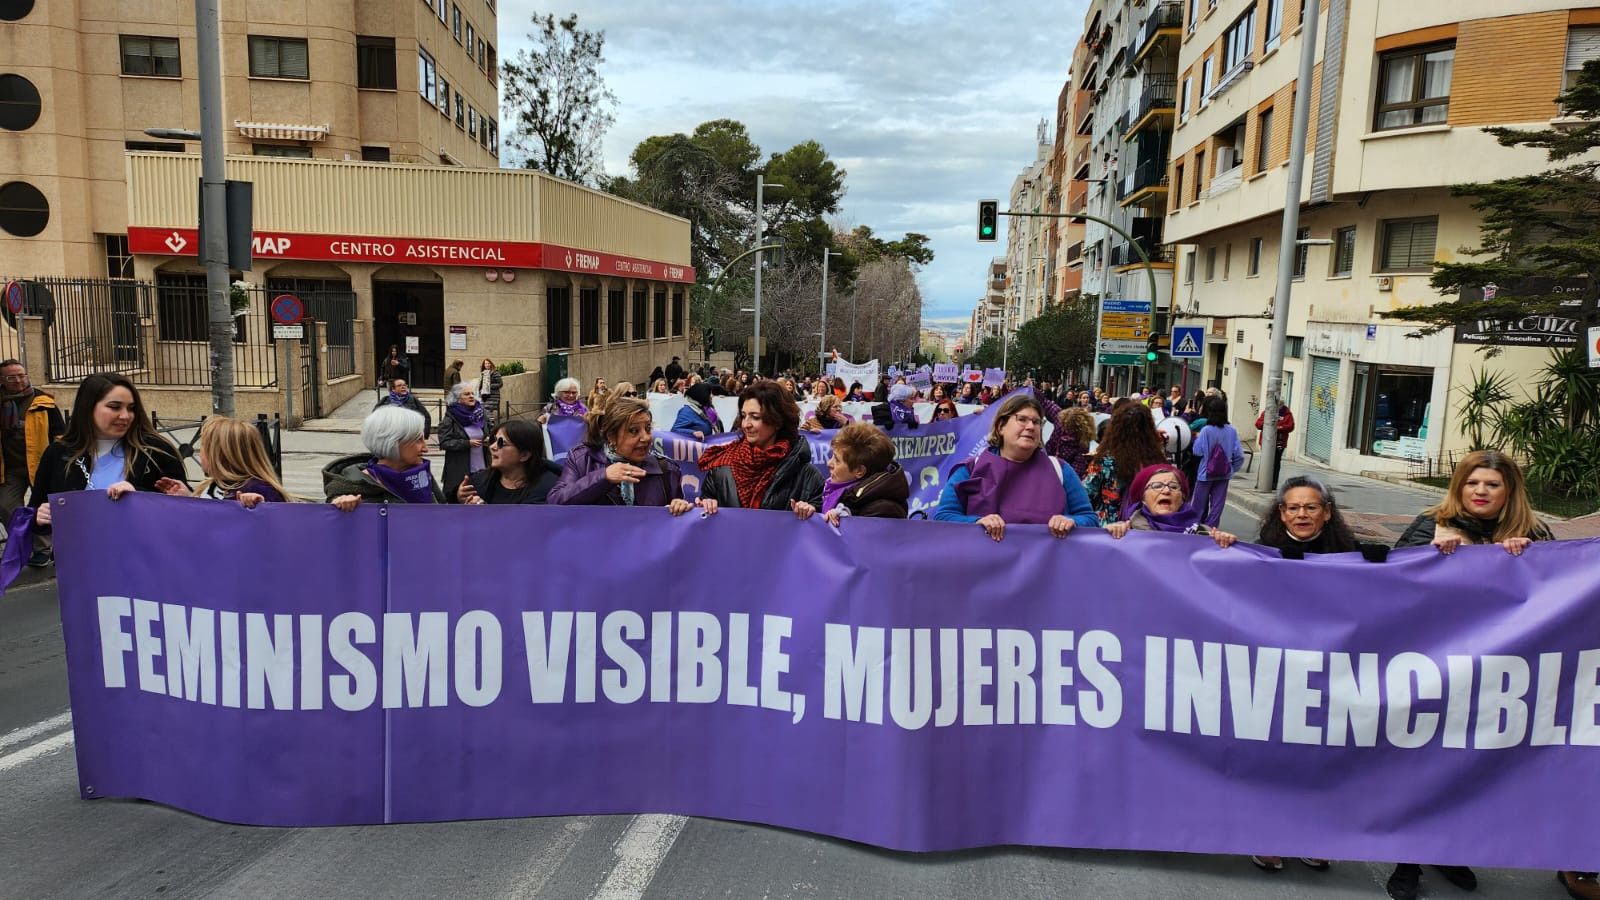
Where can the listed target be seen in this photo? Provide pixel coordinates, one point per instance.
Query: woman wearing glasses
(1306, 520)
(517, 471)
(1161, 503)
(1015, 481)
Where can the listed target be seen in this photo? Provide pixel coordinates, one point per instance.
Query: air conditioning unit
(1385, 283)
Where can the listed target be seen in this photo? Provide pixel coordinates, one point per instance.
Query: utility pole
(855, 304)
(822, 342)
(213, 200)
(761, 228)
(1287, 251)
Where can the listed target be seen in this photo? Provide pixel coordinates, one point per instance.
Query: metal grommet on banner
(88, 789)
(383, 511)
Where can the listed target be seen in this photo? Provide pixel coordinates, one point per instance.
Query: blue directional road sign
(1188, 341)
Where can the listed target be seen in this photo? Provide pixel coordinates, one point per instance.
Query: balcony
(1147, 235)
(1146, 185)
(1074, 253)
(1077, 197)
(1080, 161)
(1162, 30)
(1157, 104)
(1083, 112)
(1121, 125)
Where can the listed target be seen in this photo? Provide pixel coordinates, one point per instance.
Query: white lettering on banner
(980, 677)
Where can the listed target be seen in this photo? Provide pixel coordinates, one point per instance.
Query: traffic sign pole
(15, 292)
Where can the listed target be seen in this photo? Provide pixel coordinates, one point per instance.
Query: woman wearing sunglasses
(517, 471)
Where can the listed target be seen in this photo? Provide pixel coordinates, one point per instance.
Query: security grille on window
(558, 318)
(426, 74)
(1301, 252)
(677, 313)
(659, 309)
(616, 317)
(375, 69)
(638, 315)
(157, 56)
(1414, 86)
(1344, 250)
(588, 317)
(181, 309)
(273, 57)
(1408, 244)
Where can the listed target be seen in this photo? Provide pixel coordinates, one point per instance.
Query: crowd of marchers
(1123, 465)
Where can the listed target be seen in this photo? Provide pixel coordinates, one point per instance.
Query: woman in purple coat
(618, 466)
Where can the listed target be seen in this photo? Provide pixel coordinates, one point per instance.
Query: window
(1205, 79)
(444, 98)
(1301, 252)
(492, 65)
(155, 146)
(19, 103)
(374, 154)
(1237, 39)
(677, 313)
(280, 151)
(616, 317)
(455, 22)
(444, 12)
(1344, 251)
(1264, 140)
(1253, 264)
(1177, 185)
(1274, 24)
(1293, 348)
(1194, 13)
(1199, 174)
(1227, 261)
(588, 317)
(157, 56)
(1211, 263)
(1188, 267)
(15, 10)
(558, 318)
(1388, 405)
(472, 122)
(1407, 244)
(1183, 99)
(1414, 86)
(658, 311)
(119, 262)
(181, 308)
(483, 56)
(483, 132)
(638, 315)
(494, 138)
(1583, 44)
(273, 57)
(472, 39)
(375, 63)
(426, 74)
(461, 112)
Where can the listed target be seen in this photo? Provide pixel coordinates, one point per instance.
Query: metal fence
(91, 326)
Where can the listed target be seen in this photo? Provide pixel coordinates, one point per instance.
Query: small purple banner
(1152, 693)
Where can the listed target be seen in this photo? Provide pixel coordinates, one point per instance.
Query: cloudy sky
(928, 105)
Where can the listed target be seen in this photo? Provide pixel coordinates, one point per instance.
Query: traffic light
(988, 220)
(711, 340)
(1152, 348)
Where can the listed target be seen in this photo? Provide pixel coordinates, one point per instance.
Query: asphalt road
(53, 844)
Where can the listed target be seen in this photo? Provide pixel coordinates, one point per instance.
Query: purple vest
(1025, 493)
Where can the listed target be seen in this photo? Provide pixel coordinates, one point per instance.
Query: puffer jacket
(886, 495)
(348, 475)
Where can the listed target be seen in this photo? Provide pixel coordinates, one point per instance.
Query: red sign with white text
(419, 251)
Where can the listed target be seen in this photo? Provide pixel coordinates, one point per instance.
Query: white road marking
(29, 732)
(549, 859)
(34, 751)
(640, 852)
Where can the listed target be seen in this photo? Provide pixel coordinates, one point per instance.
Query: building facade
(1398, 102)
(1025, 236)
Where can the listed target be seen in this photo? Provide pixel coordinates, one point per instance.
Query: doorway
(410, 309)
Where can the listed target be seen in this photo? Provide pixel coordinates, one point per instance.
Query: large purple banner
(917, 686)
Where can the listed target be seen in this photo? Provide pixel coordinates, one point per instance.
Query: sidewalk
(1376, 510)
(321, 441)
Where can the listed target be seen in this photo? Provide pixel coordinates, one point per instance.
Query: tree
(559, 105)
(988, 354)
(1058, 341)
(1540, 232)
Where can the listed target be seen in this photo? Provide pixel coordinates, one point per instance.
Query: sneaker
(1460, 876)
(1403, 883)
(40, 559)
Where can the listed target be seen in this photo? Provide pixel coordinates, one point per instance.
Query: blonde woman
(597, 394)
(236, 466)
(1487, 504)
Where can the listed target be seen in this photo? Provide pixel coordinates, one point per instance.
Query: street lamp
(761, 227)
(173, 134)
(822, 343)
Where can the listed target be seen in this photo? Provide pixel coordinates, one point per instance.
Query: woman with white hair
(392, 470)
(462, 430)
(899, 410)
(565, 402)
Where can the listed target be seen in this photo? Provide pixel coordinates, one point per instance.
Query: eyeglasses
(1307, 508)
(1026, 420)
(1164, 487)
(630, 393)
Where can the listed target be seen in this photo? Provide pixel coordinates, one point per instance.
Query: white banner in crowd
(866, 373)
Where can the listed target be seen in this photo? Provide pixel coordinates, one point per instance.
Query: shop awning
(281, 131)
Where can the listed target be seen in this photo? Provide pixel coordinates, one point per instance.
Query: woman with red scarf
(769, 466)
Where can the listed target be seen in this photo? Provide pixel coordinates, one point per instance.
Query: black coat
(458, 452)
(412, 403)
(885, 495)
(796, 479)
(59, 474)
(487, 483)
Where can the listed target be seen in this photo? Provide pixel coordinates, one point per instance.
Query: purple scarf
(832, 491)
(902, 413)
(414, 485)
(1025, 493)
(467, 417)
(1176, 523)
(711, 416)
(575, 408)
(396, 399)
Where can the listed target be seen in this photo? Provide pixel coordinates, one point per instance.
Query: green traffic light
(1151, 356)
(987, 230)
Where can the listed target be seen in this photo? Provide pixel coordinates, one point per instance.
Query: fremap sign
(417, 251)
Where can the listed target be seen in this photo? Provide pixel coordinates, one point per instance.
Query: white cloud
(928, 105)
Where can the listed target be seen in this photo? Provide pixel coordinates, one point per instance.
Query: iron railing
(1164, 15)
(1158, 92)
(90, 326)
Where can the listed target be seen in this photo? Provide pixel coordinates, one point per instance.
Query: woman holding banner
(110, 445)
(1161, 503)
(1015, 481)
(617, 464)
(565, 402)
(769, 466)
(392, 470)
(1131, 442)
(1306, 520)
(235, 461)
(1487, 504)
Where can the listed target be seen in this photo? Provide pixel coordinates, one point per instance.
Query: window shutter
(1583, 44)
(1424, 234)
(262, 60)
(293, 61)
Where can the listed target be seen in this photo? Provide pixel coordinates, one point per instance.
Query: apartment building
(989, 312)
(379, 80)
(1129, 72)
(1400, 96)
(1069, 187)
(1026, 235)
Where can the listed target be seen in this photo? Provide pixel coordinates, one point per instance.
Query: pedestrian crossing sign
(1188, 342)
